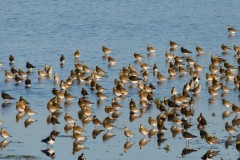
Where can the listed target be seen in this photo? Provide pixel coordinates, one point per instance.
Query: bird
(232, 30)
(30, 67)
(49, 140)
(138, 56)
(185, 51)
(56, 77)
(62, 59)
(42, 73)
(188, 136)
(82, 157)
(200, 50)
(209, 154)
(106, 50)
(134, 79)
(107, 125)
(20, 107)
(54, 120)
(22, 73)
(68, 96)
(211, 139)
(18, 79)
(143, 130)
(9, 75)
(96, 121)
(225, 48)
(6, 96)
(68, 118)
(14, 70)
(64, 85)
(77, 53)
(161, 77)
(84, 92)
(229, 128)
(111, 60)
(11, 59)
(4, 133)
(212, 91)
(173, 44)
(128, 132)
(29, 111)
(197, 89)
(150, 49)
(77, 128)
(152, 121)
(28, 82)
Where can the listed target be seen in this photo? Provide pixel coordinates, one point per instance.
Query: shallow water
(40, 32)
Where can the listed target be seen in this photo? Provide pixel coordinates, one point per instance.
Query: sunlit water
(39, 32)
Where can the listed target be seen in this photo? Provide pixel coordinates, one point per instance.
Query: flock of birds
(177, 109)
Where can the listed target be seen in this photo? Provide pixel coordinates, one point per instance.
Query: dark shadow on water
(6, 105)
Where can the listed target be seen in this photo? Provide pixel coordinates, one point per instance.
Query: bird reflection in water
(49, 152)
(128, 145)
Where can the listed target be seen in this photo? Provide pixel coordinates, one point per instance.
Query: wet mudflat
(41, 33)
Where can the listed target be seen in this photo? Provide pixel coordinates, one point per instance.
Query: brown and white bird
(143, 130)
(9, 75)
(225, 48)
(200, 50)
(150, 49)
(106, 50)
(4, 133)
(96, 121)
(232, 30)
(68, 96)
(68, 118)
(230, 129)
(29, 111)
(77, 53)
(128, 132)
(173, 44)
(111, 60)
(138, 56)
